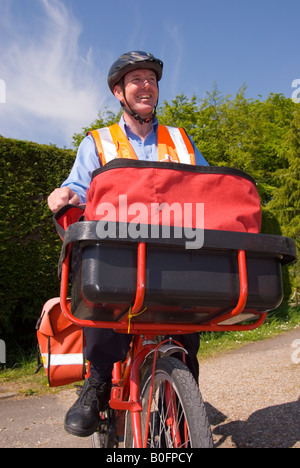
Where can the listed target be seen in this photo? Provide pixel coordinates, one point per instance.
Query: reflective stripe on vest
(173, 145)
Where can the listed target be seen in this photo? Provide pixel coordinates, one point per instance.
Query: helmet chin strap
(136, 116)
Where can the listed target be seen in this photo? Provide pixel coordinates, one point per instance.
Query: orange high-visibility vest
(173, 145)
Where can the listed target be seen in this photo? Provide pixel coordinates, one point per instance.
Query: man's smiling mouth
(144, 96)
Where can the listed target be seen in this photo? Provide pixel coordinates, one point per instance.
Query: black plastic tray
(182, 286)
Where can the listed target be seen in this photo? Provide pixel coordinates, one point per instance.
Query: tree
(286, 201)
(104, 119)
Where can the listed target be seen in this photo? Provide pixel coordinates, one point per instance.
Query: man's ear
(118, 92)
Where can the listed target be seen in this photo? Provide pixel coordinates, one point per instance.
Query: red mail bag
(137, 191)
(61, 345)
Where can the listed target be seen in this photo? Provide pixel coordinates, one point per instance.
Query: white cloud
(52, 89)
(175, 49)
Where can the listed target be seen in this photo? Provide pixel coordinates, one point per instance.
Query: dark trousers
(104, 347)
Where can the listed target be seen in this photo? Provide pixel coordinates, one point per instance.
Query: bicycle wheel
(177, 416)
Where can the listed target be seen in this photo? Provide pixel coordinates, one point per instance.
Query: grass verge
(284, 319)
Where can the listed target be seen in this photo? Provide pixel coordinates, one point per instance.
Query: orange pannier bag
(61, 346)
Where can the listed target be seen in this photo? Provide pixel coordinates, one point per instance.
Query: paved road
(252, 397)
(252, 394)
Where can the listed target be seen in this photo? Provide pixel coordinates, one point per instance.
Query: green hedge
(29, 245)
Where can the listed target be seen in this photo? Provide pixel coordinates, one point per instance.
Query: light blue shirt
(87, 159)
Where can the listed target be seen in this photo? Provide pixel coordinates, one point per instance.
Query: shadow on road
(275, 426)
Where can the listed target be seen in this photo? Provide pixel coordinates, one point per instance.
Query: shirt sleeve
(85, 163)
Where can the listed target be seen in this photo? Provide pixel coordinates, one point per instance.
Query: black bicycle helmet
(133, 61)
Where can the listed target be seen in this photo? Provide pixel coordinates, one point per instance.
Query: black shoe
(82, 419)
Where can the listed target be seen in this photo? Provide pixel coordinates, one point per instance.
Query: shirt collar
(126, 129)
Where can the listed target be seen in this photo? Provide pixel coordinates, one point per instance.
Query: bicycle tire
(178, 416)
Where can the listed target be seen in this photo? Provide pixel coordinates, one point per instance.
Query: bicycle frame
(125, 395)
(126, 382)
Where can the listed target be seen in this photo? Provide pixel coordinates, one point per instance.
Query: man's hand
(61, 197)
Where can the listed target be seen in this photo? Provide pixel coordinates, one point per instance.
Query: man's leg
(103, 348)
(191, 343)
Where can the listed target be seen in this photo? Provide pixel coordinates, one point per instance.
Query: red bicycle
(158, 406)
(155, 401)
(153, 287)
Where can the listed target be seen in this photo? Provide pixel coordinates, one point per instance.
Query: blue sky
(55, 54)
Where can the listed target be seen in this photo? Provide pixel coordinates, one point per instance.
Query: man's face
(141, 91)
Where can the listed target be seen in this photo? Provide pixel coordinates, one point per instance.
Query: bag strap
(67, 215)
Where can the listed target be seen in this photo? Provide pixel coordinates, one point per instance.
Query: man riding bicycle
(133, 79)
